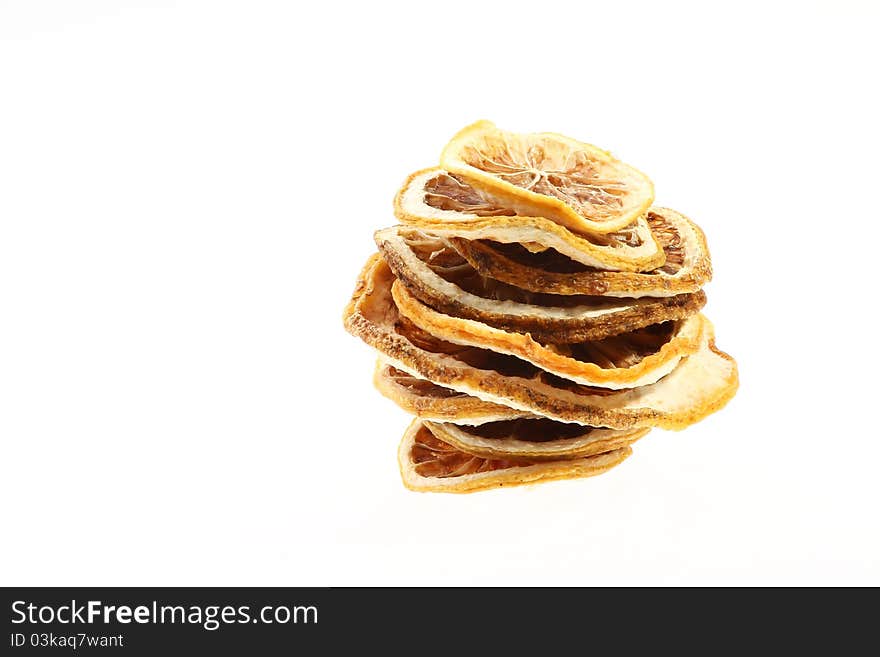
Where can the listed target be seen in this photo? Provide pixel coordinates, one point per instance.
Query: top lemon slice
(544, 174)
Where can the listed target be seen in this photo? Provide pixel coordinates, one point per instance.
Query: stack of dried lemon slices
(535, 313)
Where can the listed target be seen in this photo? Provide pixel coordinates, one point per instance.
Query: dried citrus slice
(537, 439)
(687, 267)
(627, 360)
(423, 398)
(700, 384)
(445, 204)
(437, 275)
(548, 175)
(429, 464)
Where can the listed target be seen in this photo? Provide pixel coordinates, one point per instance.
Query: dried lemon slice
(627, 360)
(437, 275)
(429, 464)
(686, 269)
(537, 439)
(445, 204)
(701, 384)
(425, 399)
(548, 175)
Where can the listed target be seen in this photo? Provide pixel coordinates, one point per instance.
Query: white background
(188, 190)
